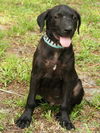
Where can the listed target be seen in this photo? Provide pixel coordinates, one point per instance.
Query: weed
(96, 101)
(76, 113)
(46, 107)
(2, 117)
(1, 128)
(48, 115)
(20, 102)
(3, 46)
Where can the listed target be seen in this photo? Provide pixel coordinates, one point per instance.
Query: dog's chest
(53, 62)
(54, 66)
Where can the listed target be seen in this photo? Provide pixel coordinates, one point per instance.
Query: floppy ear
(78, 22)
(41, 20)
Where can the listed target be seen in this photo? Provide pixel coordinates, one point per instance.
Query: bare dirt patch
(90, 87)
(21, 51)
(4, 27)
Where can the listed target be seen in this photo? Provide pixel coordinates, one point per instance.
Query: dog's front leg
(66, 106)
(26, 117)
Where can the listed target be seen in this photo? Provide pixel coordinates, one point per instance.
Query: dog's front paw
(23, 122)
(67, 125)
(64, 123)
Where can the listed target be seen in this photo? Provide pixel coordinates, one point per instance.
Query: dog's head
(62, 22)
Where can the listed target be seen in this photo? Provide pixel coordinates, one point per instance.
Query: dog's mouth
(64, 41)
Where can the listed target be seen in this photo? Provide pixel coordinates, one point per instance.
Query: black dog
(53, 74)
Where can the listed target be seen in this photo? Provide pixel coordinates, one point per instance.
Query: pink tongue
(65, 42)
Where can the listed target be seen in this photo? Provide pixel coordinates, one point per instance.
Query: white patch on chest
(55, 61)
(54, 68)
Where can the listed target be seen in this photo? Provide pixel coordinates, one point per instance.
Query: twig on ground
(11, 92)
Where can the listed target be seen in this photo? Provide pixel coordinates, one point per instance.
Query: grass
(96, 101)
(12, 68)
(19, 31)
(2, 117)
(3, 47)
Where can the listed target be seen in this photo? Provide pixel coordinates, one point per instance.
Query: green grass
(14, 68)
(77, 110)
(96, 101)
(2, 118)
(19, 29)
(3, 47)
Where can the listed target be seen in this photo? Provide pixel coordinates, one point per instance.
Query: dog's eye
(56, 16)
(74, 17)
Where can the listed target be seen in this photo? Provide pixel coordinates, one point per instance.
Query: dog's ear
(41, 20)
(78, 21)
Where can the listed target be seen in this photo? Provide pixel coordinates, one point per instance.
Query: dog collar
(50, 42)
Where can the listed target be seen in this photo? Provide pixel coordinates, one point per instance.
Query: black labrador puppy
(53, 74)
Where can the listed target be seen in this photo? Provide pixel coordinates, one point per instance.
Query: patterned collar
(50, 42)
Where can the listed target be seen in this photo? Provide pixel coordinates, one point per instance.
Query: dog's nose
(68, 29)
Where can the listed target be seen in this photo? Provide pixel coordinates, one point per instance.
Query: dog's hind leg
(77, 94)
(71, 98)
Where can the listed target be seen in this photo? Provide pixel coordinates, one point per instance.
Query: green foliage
(96, 101)
(48, 115)
(2, 118)
(14, 68)
(76, 113)
(3, 46)
(46, 107)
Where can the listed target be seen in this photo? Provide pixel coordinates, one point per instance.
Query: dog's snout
(68, 29)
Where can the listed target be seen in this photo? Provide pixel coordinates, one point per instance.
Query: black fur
(62, 85)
